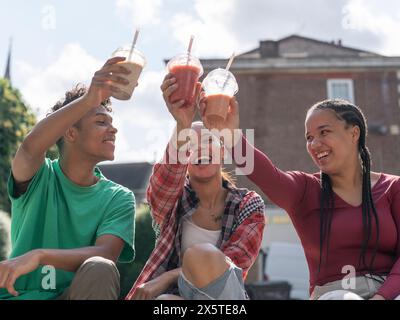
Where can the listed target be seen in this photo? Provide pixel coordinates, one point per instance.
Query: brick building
(280, 80)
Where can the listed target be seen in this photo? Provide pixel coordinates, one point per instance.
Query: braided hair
(352, 116)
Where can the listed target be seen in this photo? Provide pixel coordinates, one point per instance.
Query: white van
(287, 262)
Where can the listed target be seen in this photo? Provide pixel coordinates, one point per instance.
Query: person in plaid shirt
(209, 232)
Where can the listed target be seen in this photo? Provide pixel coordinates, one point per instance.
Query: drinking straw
(133, 43)
(189, 48)
(230, 61)
(228, 66)
(190, 44)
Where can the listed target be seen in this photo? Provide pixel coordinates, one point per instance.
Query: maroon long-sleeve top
(298, 193)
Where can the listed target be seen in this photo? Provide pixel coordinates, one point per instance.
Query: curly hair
(76, 92)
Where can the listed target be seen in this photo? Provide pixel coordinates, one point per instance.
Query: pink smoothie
(186, 78)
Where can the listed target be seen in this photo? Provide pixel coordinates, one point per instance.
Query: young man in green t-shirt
(69, 223)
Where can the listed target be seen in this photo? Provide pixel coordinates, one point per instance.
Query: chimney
(339, 42)
(269, 49)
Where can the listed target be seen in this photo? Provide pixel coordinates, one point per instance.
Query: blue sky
(59, 43)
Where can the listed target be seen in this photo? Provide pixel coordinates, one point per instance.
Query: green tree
(16, 119)
(144, 245)
(5, 225)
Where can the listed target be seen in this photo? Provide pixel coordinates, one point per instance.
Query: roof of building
(134, 176)
(296, 46)
(302, 53)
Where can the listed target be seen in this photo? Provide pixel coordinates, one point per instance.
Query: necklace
(213, 212)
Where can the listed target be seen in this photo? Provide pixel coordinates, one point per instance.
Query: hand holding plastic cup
(219, 86)
(134, 62)
(187, 70)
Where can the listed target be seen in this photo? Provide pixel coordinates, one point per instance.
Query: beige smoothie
(135, 62)
(127, 90)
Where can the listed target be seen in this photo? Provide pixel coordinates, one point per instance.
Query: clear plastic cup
(135, 65)
(187, 70)
(219, 86)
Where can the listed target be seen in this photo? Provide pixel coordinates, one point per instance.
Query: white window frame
(348, 82)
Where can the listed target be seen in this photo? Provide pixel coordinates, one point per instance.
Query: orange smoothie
(217, 107)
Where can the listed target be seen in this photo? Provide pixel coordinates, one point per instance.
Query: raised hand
(231, 122)
(151, 289)
(183, 115)
(232, 119)
(104, 81)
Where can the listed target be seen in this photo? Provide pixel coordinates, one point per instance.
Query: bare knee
(204, 253)
(203, 263)
(340, 295)
(169, 297)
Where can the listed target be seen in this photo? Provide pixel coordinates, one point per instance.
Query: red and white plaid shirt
(171, 197)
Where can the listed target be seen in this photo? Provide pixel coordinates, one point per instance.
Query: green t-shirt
(55, 213)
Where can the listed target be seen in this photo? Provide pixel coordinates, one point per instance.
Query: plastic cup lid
(137, 56)
(185, 59)
(220, 81)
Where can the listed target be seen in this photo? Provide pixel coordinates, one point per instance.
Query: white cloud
(255, 20)
(135, 143)
(144, 123)
(210, 25)
(366, 24)
(375, 17)
(139, 12)
(233, 25)
(26, 69)
(42, 87)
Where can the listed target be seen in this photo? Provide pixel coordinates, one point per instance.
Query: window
(395, 130)
(341, 89)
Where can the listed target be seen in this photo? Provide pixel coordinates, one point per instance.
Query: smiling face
(331, 143)
(93, 136)
(206, 156)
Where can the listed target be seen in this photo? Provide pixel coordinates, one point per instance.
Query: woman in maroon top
(347, 217)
